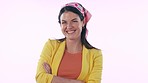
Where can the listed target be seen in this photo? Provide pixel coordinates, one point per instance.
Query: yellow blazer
(52, 53)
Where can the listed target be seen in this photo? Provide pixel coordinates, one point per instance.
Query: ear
(83, 23)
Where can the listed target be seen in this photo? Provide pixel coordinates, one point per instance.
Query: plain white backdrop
(118, 27)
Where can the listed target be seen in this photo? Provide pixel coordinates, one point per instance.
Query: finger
(47, 67)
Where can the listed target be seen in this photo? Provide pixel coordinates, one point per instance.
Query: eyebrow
(72, 19)
(75, 19)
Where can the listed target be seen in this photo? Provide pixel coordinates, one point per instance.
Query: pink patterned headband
(81, 9)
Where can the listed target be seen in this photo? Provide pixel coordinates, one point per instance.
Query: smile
(70, 32)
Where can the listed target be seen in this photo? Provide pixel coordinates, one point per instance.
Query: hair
(83, 33)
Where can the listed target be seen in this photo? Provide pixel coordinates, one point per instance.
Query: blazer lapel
(85, 62)
(57, 58)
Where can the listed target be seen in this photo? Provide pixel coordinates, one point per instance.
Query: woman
(71, 59)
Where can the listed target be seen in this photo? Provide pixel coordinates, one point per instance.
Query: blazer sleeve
(96, 71)
(41, 75)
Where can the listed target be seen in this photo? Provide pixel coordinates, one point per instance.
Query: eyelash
(63, 22)
(72, 21)
(75, 21)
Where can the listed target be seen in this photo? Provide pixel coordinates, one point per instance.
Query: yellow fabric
(52, 53)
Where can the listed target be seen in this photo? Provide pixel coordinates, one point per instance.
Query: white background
(118, 27)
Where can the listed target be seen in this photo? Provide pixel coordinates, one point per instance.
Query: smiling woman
(71, 25)
(71, 59)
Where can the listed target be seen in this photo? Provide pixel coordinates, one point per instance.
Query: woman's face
(71, 25)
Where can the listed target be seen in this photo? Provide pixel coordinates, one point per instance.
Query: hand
(47, 68)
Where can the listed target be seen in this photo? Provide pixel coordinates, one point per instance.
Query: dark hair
(83, 33)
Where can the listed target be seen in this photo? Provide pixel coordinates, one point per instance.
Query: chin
(71, 38)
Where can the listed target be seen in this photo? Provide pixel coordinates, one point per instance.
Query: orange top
(70, 66)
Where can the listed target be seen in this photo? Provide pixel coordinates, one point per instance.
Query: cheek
(62, 29)
(81, 27)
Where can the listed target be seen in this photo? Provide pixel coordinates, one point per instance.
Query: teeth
(70, 31)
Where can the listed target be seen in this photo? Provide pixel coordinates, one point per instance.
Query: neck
(73, 46)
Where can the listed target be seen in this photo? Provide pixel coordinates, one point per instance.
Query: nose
(69, 25)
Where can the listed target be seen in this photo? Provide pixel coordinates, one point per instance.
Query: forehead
(69, 16)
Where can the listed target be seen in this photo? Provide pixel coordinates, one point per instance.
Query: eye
(75, 21)
(63, 22)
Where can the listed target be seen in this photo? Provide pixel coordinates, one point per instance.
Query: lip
(70, 32)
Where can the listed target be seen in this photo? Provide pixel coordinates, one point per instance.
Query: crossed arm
(57, 79)
(44, 74)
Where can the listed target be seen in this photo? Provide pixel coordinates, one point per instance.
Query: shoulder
(55, 41)
(95, 52)
(52, 43)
